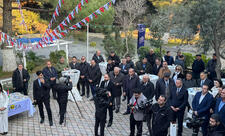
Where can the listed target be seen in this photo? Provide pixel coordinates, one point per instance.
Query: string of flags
(61, 30)
(21, 12)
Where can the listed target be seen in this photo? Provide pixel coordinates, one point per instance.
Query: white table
(153, 78)
(172, 69)
(103, 67)
(74, 76)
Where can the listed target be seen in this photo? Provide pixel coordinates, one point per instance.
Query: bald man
(151, 57)
(98, 57)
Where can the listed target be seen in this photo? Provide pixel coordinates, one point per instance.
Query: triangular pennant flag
(95, 15)
(113, 1)
(59, 28)
(12, 43)
(55, 35)
(40, 44)
(64, 23)
(3, 37)
(84, 21)
(98, 12)
(70, 16)
(65, 31)
(61, 25)
(56, 11)
(60, 5)
(78, 25)
(86, 1)
(81, 23)
(87, 19)
(91, 17)
(54, 16)
(68, 20)
(106, 6)
(82, 2)
(63, 1)
(79, 6)
(76, 9)
(63, 34)
(102, 9)
(72, 28)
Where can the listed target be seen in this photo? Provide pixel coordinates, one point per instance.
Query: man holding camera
(160, 119)
(216, 128)
(41, 94)
(62, 87)
(102, 102)
(137, 113)
(201, 107)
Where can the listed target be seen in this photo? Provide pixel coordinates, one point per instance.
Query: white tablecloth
(153, 78)
(172, 69)
(223, 80)
(103, 67)
(74, 76)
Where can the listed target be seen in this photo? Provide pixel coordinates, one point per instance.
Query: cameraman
(215, 127)
(102, 102)
(160, 119)
(137, 113)
(62, 87)
(201, 107)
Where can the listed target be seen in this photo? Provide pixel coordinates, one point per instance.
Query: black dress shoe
(5, 133)
(61, 122)
(109, 124)
(42, 121)
(82, 94)
(126, 113)
(117, 110)
(92, 99)
(50, 123)
(87, 96)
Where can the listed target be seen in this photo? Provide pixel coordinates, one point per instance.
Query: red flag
(63, 1)
(95, 15)
(40, 44)
(87, 19)
(81, 23)
(63, 34)
(51, 39)
(70, 17)
(58, 8)
(55, 35)
(55, 13)
(0, 36)
(102, 9)
(86, 1)
(62, 26)
(74, 12)
(110, 3)
(12, 42)
(5, 37)
(79, 6)
(74, 26)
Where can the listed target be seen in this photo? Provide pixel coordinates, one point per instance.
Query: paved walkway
(22, 125)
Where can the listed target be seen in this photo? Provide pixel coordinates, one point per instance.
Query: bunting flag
(21, 13)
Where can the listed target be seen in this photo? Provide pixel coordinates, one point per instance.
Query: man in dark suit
(201, 105)
(197, 67)
(178, 101)
(130, 82)
(151, 57)
(94, 77)
(83, 81)
(50, 73)
(211, 67)
(143, 67)
(188, 82)
(108, 85)
(129, 61)
(20, 80)
(115, 59)
(74, 64)
(41, 89)
(204, 81)
(156, 66)
(220, 107)
(124, 67)
(98, 57)
(164, 86)
(168, 58)
(116, 78)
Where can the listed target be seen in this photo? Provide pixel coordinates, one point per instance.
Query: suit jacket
(129, 84)
(178, 100)
(161, 87)
(139, 67)
(198, 66)
(155, 70)
(203, 108)
(189, 83)
(169, 60)
(116, 59)
(83, 67)
(109, 88)
(72, 66)
(42, 91)
(148, 90)
(207, 82)
(49, 74)
(16, 80)
(116, 89)
(137, 112)
(124, 69)
(151, 58)
(221, 113)
(98, 60)
(94, 74)
(180, 75)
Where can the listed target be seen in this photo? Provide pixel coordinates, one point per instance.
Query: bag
(173, 129)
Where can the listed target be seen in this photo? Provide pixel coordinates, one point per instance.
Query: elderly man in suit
(220, 107)
(204, 81)
(124, 67)
(137, 114)
(178, 101)
(130, 82)
(201, 105)
(41, 88)
(98, 57)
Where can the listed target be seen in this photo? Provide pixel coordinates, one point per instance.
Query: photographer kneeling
(137, 112)
(62, 87)
(102, 101)
(215, 127)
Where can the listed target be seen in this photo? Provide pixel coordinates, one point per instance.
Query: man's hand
(110, 94)
(82, 77)
(70, 81)
(177, 109)
(66, 69)
(42, 80)
(196, 113)
(24, 80)
(90, 80)
(52, 79)
(142, 71)
(174, 109)
(110, 104)
(124, 93)
(211, 110)
(2, 109)
(117, 84)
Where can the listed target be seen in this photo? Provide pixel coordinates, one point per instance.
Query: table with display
(19, 103)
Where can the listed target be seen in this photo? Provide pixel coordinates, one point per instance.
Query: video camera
(195, 123)
(145, 106)
(67, 79)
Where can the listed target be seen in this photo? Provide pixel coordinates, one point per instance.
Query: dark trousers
(93, 89)
(134, 123)
(54, 91)
(128, 101)
(116, 102)
(22, 90)
(205, 127)
(83, 84)
(148, 121)
(110, 110)
(47, 106)
(62, 101)
(179, 115)
(100, 122)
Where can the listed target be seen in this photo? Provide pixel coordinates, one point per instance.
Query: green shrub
(157, 52)
(33, 61)
(189, 59)
(55, 56)
(205, 59)
(142, 51)
(93, 44)
(30, 65)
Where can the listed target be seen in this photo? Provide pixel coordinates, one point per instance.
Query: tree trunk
(218, 65)
(7, 17)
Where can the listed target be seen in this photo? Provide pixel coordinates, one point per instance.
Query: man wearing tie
(201, 105)
(108, 85)
(178, 101)
(41, 95)
(220, 107)
(204, 81)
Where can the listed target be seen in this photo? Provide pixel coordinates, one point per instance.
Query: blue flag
(141, 35)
